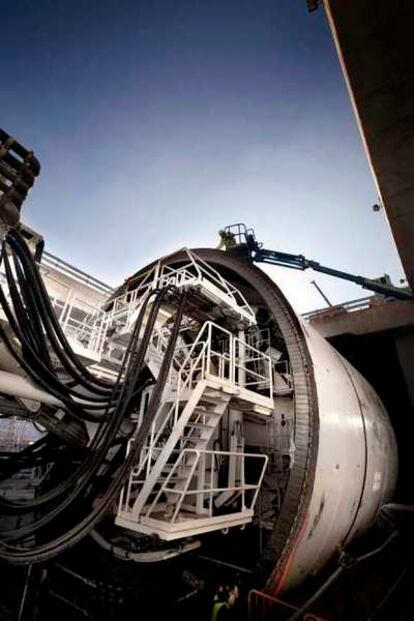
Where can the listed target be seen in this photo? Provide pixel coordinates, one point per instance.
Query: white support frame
(196, 273)
(204, 367)
(208, 490)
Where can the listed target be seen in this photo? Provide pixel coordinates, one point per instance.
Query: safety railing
(93, 329)
(51, 261)
(121, 311)
(348, 307)
(88, 329)
(197, 270)
(159, 341)
(258, 338)
(227, 358)
(252, 368)
(164, 420)
(244, 494)
(138, 474)
(204, 360)
(124, 306)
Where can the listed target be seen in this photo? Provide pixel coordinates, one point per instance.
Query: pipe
(21, 387)
(24, 594)
(18, 555)
(346, 561)
(388, 594)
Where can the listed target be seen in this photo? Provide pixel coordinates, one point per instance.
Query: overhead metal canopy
(375, 44)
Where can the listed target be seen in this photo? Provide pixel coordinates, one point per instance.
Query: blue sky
(158, 123)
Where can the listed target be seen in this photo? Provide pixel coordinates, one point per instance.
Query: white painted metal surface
(356, 463)
(176, 466)
(20, 387)
(309, 416)
(93, 330)
(343, 458)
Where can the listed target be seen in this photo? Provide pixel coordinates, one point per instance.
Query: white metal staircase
(171, 491)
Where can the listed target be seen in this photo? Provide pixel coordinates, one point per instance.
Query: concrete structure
(375, 44)
(372, 315)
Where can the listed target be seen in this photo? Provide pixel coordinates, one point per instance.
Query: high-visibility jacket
(216, 609)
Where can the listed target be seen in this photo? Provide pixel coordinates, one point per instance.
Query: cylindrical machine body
(342, 451)
(355, 469)
(345, 461)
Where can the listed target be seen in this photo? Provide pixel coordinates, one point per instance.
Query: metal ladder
(193, 430)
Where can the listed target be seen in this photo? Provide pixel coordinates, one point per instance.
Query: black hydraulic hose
(29, 351)
(44, 453)
(20, 311)
(81, 484)
(29, 302)
(56, 457)
(117, 482)
(84, 397)
(27, 450)
(45, 551)
(162, 378)
(63, 487)
(17, 242)
(72, 408)
(21, 459)
(160, 384)
(80, 396)
(50, 453)
(38, 310)
(131, 391)
(39, 371)
(31, 360)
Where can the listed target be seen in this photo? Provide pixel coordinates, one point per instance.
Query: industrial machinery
(18, 170)
(193, 407)
(239, 237)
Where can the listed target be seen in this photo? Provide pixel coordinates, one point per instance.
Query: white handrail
(174, 409)
(210, 489)
(214, 275)
(93, 329)
(203, 362)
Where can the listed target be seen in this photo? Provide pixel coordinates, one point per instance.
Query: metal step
(212, 396)
(210, 413)
(179, 468)
(188, 524)
(172, 480)
(195, 441)
(200, 426)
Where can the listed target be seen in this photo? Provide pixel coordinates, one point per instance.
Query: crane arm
(239, 236)
(299, 262)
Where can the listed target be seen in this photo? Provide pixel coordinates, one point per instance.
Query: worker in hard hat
(227, 240)
(224, 601)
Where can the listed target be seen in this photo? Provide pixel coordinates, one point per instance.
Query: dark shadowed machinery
(192, 431)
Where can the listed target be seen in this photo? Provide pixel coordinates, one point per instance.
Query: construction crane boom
(243, 239)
